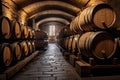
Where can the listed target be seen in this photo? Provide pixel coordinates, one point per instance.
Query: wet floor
(48, 65)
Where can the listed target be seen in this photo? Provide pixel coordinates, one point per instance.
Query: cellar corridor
(59, 39)
(49, 65)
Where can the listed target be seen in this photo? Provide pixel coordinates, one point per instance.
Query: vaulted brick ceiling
(42, 9)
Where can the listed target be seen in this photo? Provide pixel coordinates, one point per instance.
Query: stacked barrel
(93, 33)
(64, 32)
(41, 40)
(94, 18)
(17, 42)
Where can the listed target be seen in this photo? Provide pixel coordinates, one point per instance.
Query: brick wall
(9, 9)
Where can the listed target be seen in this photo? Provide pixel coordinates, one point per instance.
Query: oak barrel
(31, 33)
(5, 27)
(100, 16)
(24, 49)
(16, 30)
(33, 45)
(75, 26)
(24, 32)
(75, 43)
(70, 43)
(66, 43)
(6, 55)
(100, 45)
(65, 32)
(39, 34)
(30, 47)
(16, 50)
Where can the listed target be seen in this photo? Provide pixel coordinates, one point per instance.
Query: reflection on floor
(48, 65)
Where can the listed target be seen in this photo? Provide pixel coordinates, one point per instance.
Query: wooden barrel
(16, 50)
(6, 55)
(75, 26)
(16, 30)
(83, 20)
(30, 47)
(5, 27)
(60, 34)
(66, 43)
(33, 45)
(24, 32)
(75, 43)
(39, 34)
(30, 33)
(24, 49)
(66, 32)
(33, 32)
(70, 43)
(96, 17)
(100, 45)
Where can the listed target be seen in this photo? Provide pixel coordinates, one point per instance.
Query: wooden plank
(106, 66)
(73, 59)
(105, 70)
(83, 68)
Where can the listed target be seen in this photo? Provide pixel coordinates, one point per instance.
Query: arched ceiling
(77, 3)
(42, 10)
(47, 5)
(52, 19)
(50, 13)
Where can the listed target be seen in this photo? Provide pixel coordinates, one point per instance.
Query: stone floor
(49, 65)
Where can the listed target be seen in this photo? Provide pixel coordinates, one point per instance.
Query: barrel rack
(89, 69)
(12, 70)
(85, 69)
